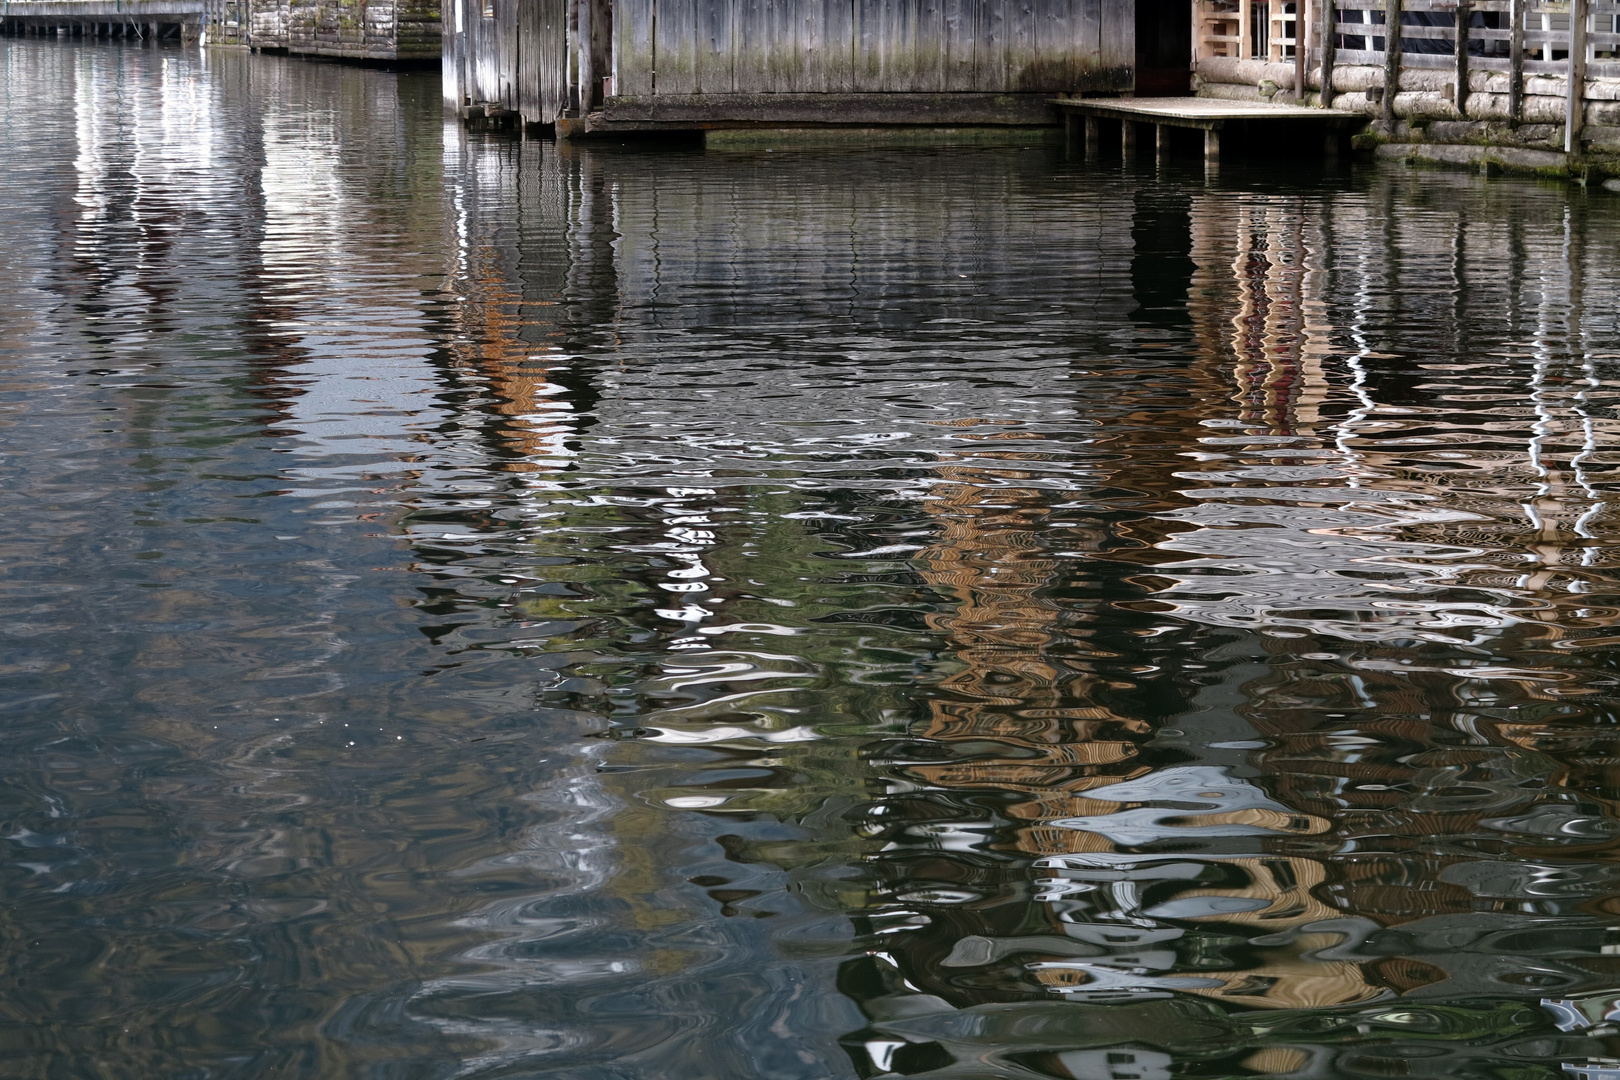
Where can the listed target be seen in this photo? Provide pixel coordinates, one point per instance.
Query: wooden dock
(1210, 115)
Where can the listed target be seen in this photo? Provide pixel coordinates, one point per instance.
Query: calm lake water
(487, 608)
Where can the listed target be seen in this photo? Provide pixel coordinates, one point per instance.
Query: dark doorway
(1163, 48)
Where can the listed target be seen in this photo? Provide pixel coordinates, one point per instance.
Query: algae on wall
(349, 29)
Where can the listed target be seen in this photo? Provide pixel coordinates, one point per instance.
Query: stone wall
(383, 30)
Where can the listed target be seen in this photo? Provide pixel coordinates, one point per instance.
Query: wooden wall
(683, 47)
(510, 52)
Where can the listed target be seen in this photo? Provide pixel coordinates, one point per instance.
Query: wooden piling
(1392, 59)
(1301, 23)
(1127, 139)
(1516, 12)
(1092, 138)
(1212, 145)
(1330, 47)
(1465, 14)
(1575, 105)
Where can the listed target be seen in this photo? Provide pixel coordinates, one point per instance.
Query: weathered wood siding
(685, 47)
(512, 53)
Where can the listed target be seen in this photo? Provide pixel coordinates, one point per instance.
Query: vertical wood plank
(1117, 47)
(1330, 49)
(895, 38)
(1023, 62)
(528, 60)
(601, 47)
(713, 50)
(1088, 20)
(928, 48)
(1392, 58)
(633, 47)
(1516, 13)
(585, 20)
(1301, 34)
(1055, 46)
(1575, 103)
(787, 58)
(989, 49)
(867, 73)
(750, 63)
(1245, 29)
(956, 44)
(674, 46)
(1465, 15)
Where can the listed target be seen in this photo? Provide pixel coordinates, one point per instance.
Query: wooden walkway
(1207, 114)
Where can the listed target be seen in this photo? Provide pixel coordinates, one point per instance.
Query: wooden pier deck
(1209, 115)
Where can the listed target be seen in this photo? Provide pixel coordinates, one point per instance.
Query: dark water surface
(479, 608)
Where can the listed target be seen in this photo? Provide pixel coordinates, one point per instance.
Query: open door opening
(1163, 48)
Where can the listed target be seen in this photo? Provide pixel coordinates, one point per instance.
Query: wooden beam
(1330, 48)
(1392, 59)
(1575, 103)
(1212, 145)
(1127, 139)
(1301, 23)
(1465, 14)
(1516, 9)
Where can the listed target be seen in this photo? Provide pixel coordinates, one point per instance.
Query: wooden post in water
(1330, 48)
(1392, 59)
(1516, 62)
(1465, 14)
(1300, 34)
(1575, 103)
(1161, 142)
(1092, 139)
(1212, 146)
(1127, 139)
(587, 69)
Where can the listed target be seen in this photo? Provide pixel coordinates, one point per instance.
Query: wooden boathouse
(601, 66)
(1532, 85)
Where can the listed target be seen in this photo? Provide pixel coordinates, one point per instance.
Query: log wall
(1537, 77)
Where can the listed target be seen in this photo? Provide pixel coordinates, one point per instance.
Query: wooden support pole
(1575, 103)
(1161, 141)
(1330, 48)
(1392, 59)
(587, 70)
(1516, 62)
(1212, 145)
(1465, 15)
(1127, 139)
(1092, 139)
(1071, 124)
(1300, 34)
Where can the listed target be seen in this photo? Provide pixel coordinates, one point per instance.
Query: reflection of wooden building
(1400, 753)
(1030, 719)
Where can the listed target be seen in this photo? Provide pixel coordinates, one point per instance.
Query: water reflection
(590, 612)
